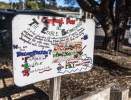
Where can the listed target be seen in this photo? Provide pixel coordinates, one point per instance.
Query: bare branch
(88, 5)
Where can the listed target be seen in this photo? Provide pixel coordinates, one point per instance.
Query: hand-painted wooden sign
(45, 47)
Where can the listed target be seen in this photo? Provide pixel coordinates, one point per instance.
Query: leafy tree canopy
(4, 5)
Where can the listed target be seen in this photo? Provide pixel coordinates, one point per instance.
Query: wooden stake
(55, 85)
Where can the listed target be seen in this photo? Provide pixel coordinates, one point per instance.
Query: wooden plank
(122, 94)
(100, 94)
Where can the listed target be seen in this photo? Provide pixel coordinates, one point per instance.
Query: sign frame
(22, 49)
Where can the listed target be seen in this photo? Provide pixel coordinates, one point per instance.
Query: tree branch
(88, 5)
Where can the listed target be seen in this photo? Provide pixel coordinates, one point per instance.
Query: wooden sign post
(55, 84)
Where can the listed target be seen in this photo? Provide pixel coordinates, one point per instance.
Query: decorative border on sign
(75, 70)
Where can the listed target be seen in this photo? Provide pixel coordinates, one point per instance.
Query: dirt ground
(108, 68)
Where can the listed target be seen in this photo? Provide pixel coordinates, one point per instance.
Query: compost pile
(107, 69)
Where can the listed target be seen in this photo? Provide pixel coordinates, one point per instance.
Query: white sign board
(45, 47)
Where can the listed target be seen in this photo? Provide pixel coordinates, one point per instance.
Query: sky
(59, 2)
(9, 0)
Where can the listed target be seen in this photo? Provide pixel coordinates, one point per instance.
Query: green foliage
(35, 4)
(4, 5)
(32, 4)
(41, 5)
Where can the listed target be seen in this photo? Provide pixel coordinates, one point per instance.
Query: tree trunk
(113, 22)
(103, 15)
(120, 23)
